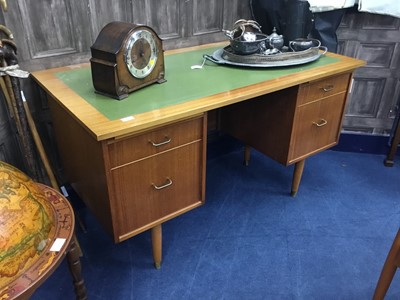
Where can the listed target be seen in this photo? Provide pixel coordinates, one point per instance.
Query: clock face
(141, 53)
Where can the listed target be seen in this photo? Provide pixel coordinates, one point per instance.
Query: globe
(26, 223)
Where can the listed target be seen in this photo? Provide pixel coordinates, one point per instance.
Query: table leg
(388, 162)
(246, 155)
(298, 172)
(74, 264)
(156, 238)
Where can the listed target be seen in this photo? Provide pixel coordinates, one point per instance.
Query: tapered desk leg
(389, 269)
(156, 238)
(74, 264)
(246, 155)
(298, 172)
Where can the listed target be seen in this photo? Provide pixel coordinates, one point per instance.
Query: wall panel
(207, 16)
(102, 12)
(375, 39)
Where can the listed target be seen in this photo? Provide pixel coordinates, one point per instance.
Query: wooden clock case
(110, 74)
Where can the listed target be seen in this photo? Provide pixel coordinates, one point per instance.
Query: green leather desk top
(183, 84)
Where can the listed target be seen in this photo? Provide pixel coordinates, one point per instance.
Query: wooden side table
(25, 263)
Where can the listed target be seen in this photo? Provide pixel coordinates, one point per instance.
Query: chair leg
(389, 269)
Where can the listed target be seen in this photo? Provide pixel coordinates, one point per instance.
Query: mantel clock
(125, 58)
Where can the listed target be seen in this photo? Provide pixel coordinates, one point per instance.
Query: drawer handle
(160, 187)
(320, 123)
(328, 88)
(167, 140)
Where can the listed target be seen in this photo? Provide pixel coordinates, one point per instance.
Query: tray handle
(323, 48)
(212, 58)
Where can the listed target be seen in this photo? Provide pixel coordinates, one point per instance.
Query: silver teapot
(275, 40)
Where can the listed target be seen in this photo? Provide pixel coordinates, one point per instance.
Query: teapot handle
(291, 47)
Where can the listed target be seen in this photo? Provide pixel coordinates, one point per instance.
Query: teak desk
(139, 162)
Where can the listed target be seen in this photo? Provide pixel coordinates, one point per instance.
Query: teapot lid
(274, 34)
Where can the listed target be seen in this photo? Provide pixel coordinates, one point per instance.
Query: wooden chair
(389, 269)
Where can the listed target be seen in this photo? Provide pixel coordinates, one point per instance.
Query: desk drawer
(312, 91)
(139, 205)
(152, 142)
(317, 126)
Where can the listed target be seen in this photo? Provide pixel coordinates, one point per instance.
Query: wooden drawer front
(165, 138)
(317, 126)
(137, 203)
(323, 88)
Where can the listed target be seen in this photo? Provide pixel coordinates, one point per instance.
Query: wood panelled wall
(375, 96)
(51, 33)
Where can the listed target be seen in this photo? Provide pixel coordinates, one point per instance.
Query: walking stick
(7, 97)
(38, 143)
(3, 4)
(11, 87)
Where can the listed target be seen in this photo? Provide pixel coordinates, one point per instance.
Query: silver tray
(217, 57)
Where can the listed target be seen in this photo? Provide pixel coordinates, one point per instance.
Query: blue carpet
(251, 240)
